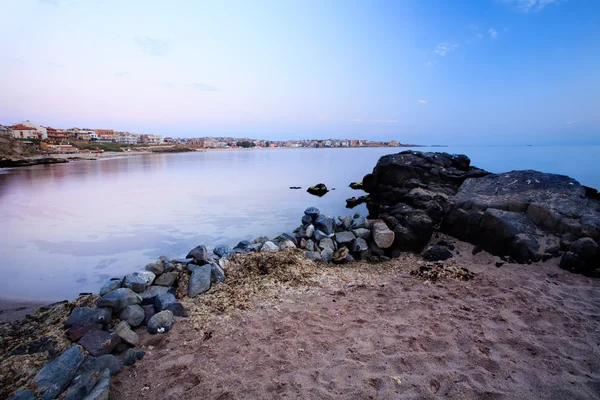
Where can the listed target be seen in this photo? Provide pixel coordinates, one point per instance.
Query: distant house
(21, 131)
(151, 139)
(57, 135)
(106, 134)
(5, 130)
(128, 138)
(394, 143)
(42, 132)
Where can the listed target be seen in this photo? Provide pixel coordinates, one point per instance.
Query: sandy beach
(379, 332)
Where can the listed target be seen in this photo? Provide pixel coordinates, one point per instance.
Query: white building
(128, 139)
(41, 131)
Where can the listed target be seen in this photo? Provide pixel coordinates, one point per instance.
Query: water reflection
(67, 227)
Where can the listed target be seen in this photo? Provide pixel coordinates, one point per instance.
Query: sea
(67, 228)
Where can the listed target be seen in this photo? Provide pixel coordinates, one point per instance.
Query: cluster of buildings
(31, 130)
(65, 137)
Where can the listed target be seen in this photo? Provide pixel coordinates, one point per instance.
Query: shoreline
(16, 309)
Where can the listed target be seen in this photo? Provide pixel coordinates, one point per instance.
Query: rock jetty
(523, 216)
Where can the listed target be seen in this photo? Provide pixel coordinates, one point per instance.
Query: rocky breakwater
(412, 192)
(523, 216)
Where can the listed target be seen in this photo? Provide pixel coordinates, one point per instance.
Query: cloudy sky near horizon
(422, 71)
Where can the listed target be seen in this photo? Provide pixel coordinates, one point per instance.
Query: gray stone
(102, 388)
(310, 245)
(260, 240)
(310, 231)
(306, 219)
(110, 362)
(327, 243)
(319, 235)
(90, 315)
(54, 377)
(161, 322)
(149, 311)
(324, 224)
(80, 329)
(199, 254)
(222, 250)
(118, 299)
(133, 314)
(82, 384)
(123, 330)
(359, 244)
(312, 212)
(156, 267)
(216, 273)
(436, 253)
(111, 285)
(167, 264)
(269, 247)
(585, 248)
(98, 343)
(147, 276)
(177, 309)
(362, 233)
(166, 279)
(313, 255)
(382, 235)
(344, 237)
(137, 282)
(360, 222)
(131, 356)
(287, 244)
(163, 300)
(199, 280)
(326, 255)
(346, 222)
(23, 395)
(149, 295)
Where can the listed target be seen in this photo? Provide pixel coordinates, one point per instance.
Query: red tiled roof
(21, 127)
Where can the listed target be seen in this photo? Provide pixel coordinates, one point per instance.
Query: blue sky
(423, 71)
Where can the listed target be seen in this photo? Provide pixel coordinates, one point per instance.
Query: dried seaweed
(432, 272)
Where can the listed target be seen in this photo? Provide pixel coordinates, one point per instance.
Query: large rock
(312, 212)
(324, 224)
(161, 322)
(318, 190)
(149, 295)
(118, 299)
(363, 233)
(162, 301)
(156, 267)
(110, 362)
(167, 279)
(359, 244)
(111, 285)
(102, 388)
(133, 314)
(310, 245)
(286, 244)
(269, 247)
(199, 280)
(138, 281)
(98, 343)
(222, 250)
(55, 376)
(131, 356)
(313, 255)
(382, 235)
(89, 315)
(326, 255)
(344, 238)
(436, 253)
(199, 254)
(310, 230)
(217, 275)
(360, 222)
(123, 330)
(327, 243)
(80, 329)
(585, 248)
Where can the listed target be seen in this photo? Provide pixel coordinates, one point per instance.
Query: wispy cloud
(493, 33)
(154, 46)
(527, 6)
(377, 121)
(444, 48)
(204, 87)
(479, 36)
(430, 64)
(422, 101)
(573, 122)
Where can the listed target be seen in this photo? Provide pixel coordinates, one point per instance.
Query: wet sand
(378, 332)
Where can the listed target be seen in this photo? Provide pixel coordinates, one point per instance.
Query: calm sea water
(67, 228)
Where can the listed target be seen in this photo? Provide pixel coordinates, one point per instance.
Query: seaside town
(72, 140)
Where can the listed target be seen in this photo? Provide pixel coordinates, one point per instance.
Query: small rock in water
(318, 190)
(161, 322)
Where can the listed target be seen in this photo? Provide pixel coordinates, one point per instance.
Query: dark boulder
(199, 254)
(90, 315)
(223, 250)
(118, 299)
(133, 314)
(324, 224)
(98, 343)
(161, 322)
(199, 280)
(318, 190)
(55, 376)
(436, 253)
(80, 329)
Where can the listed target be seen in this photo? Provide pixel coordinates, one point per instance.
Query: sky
(424, 71)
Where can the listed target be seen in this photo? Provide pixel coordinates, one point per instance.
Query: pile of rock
(523, 216)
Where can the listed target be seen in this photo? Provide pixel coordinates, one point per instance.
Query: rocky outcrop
(523, 215)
